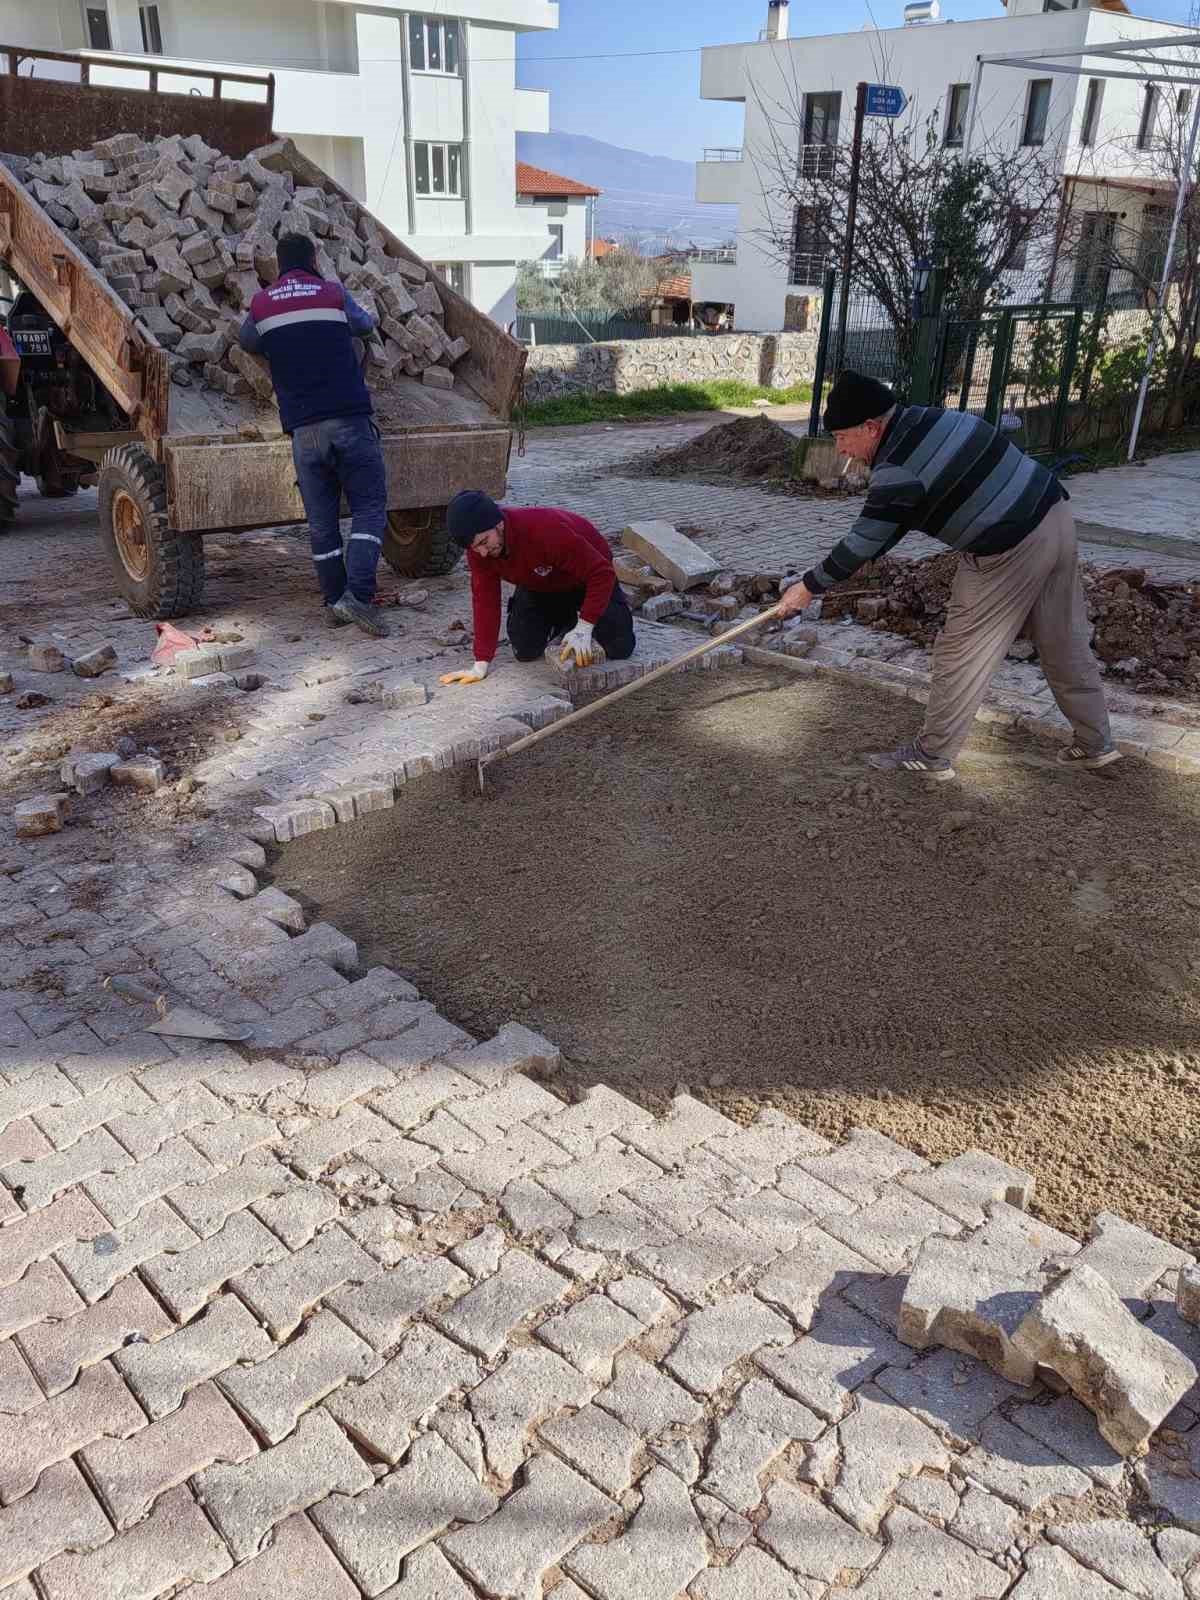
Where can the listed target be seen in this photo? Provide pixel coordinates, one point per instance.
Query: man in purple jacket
(306, 327)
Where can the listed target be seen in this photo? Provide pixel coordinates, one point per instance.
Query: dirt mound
(748, 447)
(1145, 632)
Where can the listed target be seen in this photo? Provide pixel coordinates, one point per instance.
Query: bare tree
(919, 197)
(620, 281)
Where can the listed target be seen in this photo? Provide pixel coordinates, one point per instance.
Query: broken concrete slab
(45, 656)
(88, 773)
(93, 662)
(1188, 1294)
(140, 772)
(1131, 1259)
(965, 1186)
(671, 553)
(1116, 1366)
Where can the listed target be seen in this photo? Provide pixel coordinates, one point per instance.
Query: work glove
(475, 674)
(579, 643)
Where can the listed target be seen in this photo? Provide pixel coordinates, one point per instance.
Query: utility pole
(860, 111)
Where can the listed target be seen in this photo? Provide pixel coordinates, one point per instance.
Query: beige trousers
(992, 600)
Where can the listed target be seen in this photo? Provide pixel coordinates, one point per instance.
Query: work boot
(363, 616)
(911, 758)
(334, 619)
(1074, 755)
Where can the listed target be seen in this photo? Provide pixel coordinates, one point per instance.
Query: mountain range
(647, 201)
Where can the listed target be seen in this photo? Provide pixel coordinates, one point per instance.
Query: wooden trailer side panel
(131, 364)
(252, 485)
(496, 364)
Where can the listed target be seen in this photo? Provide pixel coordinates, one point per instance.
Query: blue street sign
(885, 100)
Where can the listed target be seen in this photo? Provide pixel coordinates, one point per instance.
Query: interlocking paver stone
(645, 1399)
(186, 1281)
(490, 1115)
(891, 1228)
(597, 1445)
(880, 1443)
(965, 1186)
(1018, 1468)
(373, 1533)
(528, 1387)
(60, 1514)
(920, 1560)
(519, 1154)
(759, 1426)
(225, 1143)
(811, 1540)
(642, 1300)
(824, 1367)
(207, 1206)
(99, 1404)
(38, 1182)
(315, 1149)
(951, 1392)
(771, 1142)
(1051, 1574)
(383, 1308)
(420, 1093)
(296, 1214)
(582, 1127)
(859, 1168)
(418, 1046)
(818, 1266)
(667, 1140)
(44, 1292)
(713, 1339)
(1128, 1375)
(1131, 1259)
(63, 1124)
(161, 1374)
(485, 1316)
(590, 1334)
(1069, 1429)
(551, 1513)
(95, 1265)
(174, 1544)
(383, 1412)
(281, 1292)
(123, 1194)
(657, 1555)
(58, 1350)
(297, 1555)
(325, 1355)
(1121, 1552)
(247, 1501)
(143, 1132)
(130, 1474)
(588, 1182)
(54, 1228)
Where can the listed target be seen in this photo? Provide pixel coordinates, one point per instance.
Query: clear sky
(652, 102)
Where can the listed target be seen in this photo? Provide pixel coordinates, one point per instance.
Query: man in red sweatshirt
(565, 585)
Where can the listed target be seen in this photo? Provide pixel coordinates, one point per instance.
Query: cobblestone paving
(363, 1308)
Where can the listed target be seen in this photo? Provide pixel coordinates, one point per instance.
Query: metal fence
(597, 327)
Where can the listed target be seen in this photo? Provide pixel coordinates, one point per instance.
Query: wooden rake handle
(629, 688)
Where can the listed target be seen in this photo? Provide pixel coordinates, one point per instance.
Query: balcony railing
(817, 160)
(720, 256)
(723, 153)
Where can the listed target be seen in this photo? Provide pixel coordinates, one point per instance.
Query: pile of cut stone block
(1030, 1303)
(186, 237)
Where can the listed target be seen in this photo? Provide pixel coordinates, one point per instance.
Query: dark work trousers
(535, 619)
(342, 455)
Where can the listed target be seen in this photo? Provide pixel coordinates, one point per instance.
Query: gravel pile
(186, 237)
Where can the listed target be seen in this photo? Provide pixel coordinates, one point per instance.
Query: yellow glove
(580, 644)
(475, 674)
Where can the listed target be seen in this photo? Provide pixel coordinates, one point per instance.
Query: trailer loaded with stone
(135, 262)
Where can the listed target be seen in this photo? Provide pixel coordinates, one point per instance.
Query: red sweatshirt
(547, 551)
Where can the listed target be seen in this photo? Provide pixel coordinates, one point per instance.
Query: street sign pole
(860, 111)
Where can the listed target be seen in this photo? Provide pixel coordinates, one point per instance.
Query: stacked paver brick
(186, 236)
(382, 1315)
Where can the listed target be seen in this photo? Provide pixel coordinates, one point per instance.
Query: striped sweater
(950, 475)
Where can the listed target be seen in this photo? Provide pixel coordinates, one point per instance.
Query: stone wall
(775, 360)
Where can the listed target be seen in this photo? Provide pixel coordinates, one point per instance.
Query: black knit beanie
(854, 400)
(471, 513)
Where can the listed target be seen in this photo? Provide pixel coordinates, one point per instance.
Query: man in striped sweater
(955, 477)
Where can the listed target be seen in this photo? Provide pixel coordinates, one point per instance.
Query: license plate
(36, 343)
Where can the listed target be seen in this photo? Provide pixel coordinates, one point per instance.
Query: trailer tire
(159, 571)
(417, 544)
(10, 471)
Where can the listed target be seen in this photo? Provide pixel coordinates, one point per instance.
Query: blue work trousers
(341, 455)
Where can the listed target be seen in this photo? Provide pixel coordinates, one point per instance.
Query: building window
(810, 246)
(439, 170)
(1037, 112)
(957, 101)
(99, 32)
(1149, 122)
(1152, 246)
(1017, 259)
(434, 45)
(1091, 111)
(151, 31)
(453, 273)
(1094, 260)
(556, 242)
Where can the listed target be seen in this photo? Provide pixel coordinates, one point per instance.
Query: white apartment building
(804, 89)
(415, 112)
(567, 212)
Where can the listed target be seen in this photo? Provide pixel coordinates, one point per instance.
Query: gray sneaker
(334, 619)
(911, 758)
(1074, 755)
(361, 615)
